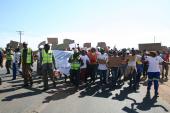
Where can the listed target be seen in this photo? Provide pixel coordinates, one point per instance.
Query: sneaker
(13, 78)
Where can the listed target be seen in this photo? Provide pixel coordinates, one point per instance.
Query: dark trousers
(153, 77)
(14, 70)
(83, 75)
(8, 66)
(114, 71)
(139, 72)
(145, 70)
(132, 78)
(26, 70)
(165, 69)
(75, 77)
(93, 69)
(103, 74)
(47, 70)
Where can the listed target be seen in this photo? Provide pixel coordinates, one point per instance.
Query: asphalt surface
(65, 99)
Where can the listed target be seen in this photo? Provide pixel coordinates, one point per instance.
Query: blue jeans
(139, 72)
(14, 71)
(153, 77)
(114, 71)
(103, 74)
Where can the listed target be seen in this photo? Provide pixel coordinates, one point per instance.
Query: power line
(20, 33)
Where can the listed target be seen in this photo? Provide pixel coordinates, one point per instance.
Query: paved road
(65, 99)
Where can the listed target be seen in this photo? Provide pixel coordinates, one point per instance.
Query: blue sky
(123, 23)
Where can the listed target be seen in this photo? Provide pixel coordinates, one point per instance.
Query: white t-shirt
(154, 63)
(102, 57)
(132, 62)
(85, 58)
(17, 56)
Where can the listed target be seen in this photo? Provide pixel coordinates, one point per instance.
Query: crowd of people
(110, 65)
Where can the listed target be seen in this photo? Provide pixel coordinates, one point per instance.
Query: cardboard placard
(114, 61)
(101, 61)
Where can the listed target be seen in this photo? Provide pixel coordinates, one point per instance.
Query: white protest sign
(61, 60)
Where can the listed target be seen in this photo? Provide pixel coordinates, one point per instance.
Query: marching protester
(39, 60)
(83, 68)
(131, 69)
(8, 59)
(153, 71)
(76, 62)
(102, 67)
(145, 64)
(165, 67)
(139, 66)
(16, 63)
(113, 64)
(123, 65)
(1, 63)
(27, 62)
(93, 64)
(48, 65)
(1, 58)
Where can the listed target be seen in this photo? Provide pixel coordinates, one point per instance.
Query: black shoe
(45, 89)
(148, 93)
(25, 85)
(156, 94)
(54, 85)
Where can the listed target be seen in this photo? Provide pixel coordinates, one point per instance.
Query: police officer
(76, 63)
(27, 62)
(8, 59)
(48, 63)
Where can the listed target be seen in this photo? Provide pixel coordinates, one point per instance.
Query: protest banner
(61, 60)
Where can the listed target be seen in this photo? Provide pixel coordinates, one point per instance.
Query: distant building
(68, 41)
(64, 45)
(14, 44)
(150, 47)
(87, 45)
(101, 44)
(52, 41)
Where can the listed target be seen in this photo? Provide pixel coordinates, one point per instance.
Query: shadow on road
(145, 105)
(21, 95)
(124, 94)
(98, 90)
(61, 93)
(9, 89)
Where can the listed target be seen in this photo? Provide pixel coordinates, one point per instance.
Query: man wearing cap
(48, 63)
(27, 61)
(153, 71)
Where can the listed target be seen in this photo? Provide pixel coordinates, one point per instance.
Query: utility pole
(20, 33)
(154, 39)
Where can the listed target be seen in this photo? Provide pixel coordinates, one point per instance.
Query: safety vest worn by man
(29, 55)
(8, 56)
(75, 65)
(47, 57)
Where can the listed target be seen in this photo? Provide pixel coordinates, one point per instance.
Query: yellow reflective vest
(75, 64)
(29, 55)
(8, 56)
(47, 57)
